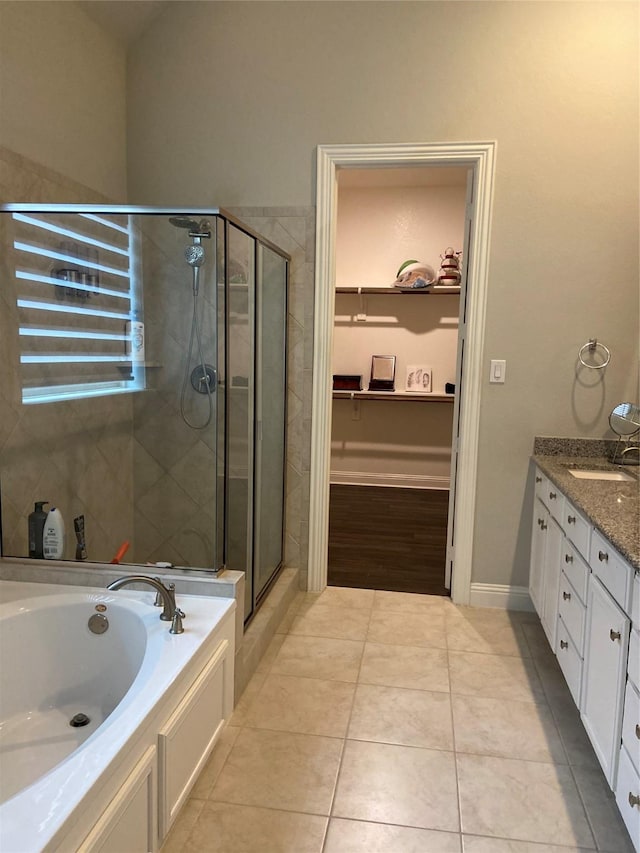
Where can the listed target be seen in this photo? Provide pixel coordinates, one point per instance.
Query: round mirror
(625, 419)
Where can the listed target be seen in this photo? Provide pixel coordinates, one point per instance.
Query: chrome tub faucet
(171, 613)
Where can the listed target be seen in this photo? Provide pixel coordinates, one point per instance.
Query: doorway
(391, 446)
(480, 158)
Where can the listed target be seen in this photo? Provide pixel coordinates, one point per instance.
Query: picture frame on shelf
(419, 379)
(383, 373)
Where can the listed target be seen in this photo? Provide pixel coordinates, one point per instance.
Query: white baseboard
(500, 595)
(402, 481)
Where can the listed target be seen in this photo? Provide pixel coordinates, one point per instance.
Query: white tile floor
(402, 724)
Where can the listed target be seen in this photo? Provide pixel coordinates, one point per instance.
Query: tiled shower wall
(89, 456)
(77, 455)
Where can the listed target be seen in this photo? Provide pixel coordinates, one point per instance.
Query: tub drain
(79, 720)
(98, 623)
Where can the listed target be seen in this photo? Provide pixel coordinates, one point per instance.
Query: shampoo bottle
(53, 535)
(134, 330)
(36, 525)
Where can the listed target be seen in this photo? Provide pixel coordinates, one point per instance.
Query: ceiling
(125, 20)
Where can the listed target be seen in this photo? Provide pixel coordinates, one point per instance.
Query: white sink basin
(581, 474)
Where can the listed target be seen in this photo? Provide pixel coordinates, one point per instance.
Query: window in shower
(79, 312)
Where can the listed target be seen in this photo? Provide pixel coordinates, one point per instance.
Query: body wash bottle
(36, 526)
(53, 535)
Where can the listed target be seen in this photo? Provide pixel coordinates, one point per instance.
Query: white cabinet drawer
(633, 664)
(635, 603)
(569, 660)
(615, 574)
(631, 724)
(541, 486)
(575, 568)
(628, 796)
(572, 612)
(555, 502)
(576, 528)
(551, 584)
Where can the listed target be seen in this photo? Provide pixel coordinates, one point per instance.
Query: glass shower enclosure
(146, 377)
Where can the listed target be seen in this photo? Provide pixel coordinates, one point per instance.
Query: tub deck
(38, 816)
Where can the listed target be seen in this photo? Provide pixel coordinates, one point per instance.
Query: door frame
(479, 156)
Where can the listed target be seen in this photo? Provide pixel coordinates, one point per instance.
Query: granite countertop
(613, 507)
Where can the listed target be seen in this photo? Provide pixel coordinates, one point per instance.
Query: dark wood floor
(388, 538)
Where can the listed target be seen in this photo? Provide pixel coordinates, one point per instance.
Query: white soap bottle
(134, 330)
(53, 535)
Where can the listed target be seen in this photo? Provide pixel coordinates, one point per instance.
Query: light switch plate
(498, 370)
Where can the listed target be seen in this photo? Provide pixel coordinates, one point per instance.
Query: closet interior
(391, 438)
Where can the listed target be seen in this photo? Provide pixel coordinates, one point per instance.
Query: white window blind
(75, 296)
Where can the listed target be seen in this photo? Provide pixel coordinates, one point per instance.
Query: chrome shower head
(184, 222)
(196, 229)
(194, 255)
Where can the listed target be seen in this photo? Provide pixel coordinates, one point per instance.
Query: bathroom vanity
(585, 585)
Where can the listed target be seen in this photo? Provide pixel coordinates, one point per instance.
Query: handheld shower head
(184, 222)
(196, 229)
(194, 255)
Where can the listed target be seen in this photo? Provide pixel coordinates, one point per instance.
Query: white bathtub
(53, 667)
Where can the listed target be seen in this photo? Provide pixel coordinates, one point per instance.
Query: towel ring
(592, 345)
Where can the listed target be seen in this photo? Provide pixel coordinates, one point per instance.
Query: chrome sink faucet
(633, 448)
(171, 613)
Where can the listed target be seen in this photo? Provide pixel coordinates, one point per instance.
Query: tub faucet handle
(159, 602)
(176, 622)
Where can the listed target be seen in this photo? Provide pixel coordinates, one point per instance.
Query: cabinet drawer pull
(543, 526)
(540, 522)
(564, 644)
(614, 635)
(634, 799)
(538, 479)
(571, 519)
(603, 556)
(568, 558)
(566, 596)
(638, 730)
(552, 496)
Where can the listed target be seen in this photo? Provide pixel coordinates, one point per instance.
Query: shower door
(270, 416)
(240, 287)
(257, 276)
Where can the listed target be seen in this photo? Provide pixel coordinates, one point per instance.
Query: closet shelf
(410, 396)
(387, 291)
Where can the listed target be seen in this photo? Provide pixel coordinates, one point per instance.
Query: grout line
(455, 750)
(350, 715)
(584, 808)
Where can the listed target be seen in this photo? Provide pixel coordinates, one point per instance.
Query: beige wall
(62, 94)
(381, 227)
(228, 101)
(378, 228)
